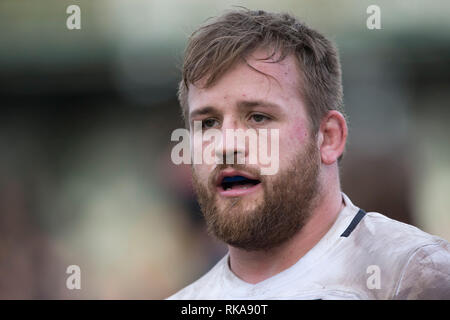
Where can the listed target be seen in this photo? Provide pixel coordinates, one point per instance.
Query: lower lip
(238, 192)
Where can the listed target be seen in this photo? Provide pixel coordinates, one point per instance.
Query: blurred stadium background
(85, 124)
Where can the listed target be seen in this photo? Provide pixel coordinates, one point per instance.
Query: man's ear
(332, 136)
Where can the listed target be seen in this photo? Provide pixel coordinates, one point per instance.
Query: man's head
(257, 70)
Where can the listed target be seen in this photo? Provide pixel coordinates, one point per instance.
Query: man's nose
(231, 150)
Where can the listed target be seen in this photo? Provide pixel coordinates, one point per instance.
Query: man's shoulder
(383, 237)
(375, 232)
(201, 288)
(404, 253)
(387, 232)
(426, 275)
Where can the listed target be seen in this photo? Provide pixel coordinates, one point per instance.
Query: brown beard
(288, 200)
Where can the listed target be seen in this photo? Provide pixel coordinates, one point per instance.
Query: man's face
(262, 211)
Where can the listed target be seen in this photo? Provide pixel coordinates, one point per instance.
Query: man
(293, 234)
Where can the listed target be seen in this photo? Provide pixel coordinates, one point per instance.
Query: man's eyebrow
(241, 104)
(257, 103)
(201, 111)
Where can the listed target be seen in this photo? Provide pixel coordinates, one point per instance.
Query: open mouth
(238, 183)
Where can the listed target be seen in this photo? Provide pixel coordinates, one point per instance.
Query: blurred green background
(85, 124)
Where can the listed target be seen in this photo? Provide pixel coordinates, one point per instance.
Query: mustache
(254, 171)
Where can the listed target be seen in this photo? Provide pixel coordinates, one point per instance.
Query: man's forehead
(269, 61)
(258, 67)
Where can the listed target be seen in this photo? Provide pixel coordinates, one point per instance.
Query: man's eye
(259, 118)
(209, 123)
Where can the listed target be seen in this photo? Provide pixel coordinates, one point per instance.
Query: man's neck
(257, 266)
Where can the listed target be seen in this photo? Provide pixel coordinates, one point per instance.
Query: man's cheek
(292, 142)
(199, 171)
(202, 173)
(298, 134)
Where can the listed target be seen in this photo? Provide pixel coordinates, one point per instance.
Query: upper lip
(232, 173)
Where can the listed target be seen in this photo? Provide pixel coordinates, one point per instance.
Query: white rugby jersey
(363, 256)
